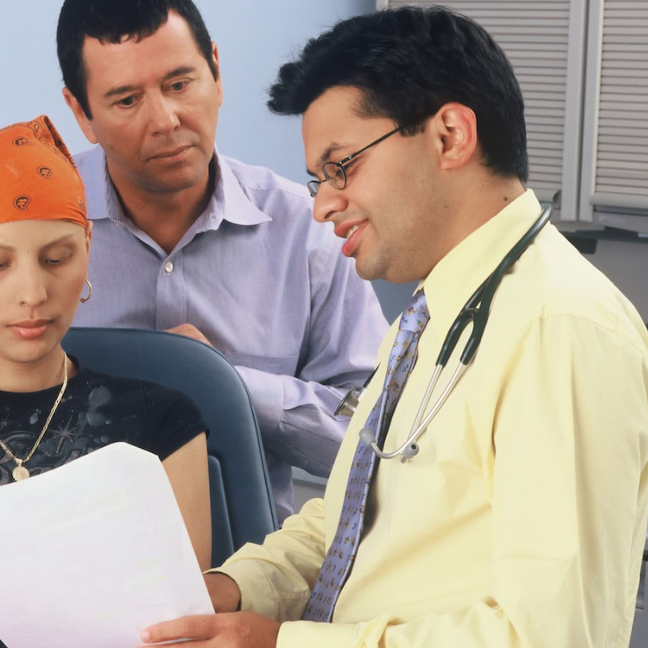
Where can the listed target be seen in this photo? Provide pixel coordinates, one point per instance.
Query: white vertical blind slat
(535, 36)
(622, 119)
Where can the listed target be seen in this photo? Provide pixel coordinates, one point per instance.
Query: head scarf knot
(38, 178)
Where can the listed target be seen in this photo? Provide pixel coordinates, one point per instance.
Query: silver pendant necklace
(20, 472)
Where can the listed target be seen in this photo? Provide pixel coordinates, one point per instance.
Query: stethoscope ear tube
(476, 310)
(489, 287)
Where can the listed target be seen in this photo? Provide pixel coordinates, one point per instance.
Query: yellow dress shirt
(521, 522)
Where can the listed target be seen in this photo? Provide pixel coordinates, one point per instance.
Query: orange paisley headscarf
(38, 178)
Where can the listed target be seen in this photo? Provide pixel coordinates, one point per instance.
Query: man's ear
(219, 79)
(85, 124)
(454, 134)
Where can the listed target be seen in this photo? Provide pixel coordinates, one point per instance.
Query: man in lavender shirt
(190, 241)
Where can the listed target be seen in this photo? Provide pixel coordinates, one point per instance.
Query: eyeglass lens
(335, 174)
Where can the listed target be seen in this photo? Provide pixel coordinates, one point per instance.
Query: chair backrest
(242, 506)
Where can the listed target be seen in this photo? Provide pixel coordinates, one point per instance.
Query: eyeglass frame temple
(344, 161)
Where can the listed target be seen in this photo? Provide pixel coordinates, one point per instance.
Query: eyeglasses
(335, 172)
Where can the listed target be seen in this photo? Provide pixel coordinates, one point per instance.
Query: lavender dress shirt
(265, 284)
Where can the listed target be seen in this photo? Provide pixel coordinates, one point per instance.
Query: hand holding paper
(93, 552)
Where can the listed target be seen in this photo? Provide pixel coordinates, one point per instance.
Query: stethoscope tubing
(475, 311)
(410, 448)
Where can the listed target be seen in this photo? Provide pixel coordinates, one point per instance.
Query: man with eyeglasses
(194, 242)
(517, 515)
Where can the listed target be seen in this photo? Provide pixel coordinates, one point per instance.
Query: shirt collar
(456, 277)
(227, 203)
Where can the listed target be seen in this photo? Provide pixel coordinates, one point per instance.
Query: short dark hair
(408, 62)
(110, 21)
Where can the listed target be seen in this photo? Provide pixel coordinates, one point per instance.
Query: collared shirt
(265, 284)
(521, 522)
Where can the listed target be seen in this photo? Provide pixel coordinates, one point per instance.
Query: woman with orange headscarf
(51, 409)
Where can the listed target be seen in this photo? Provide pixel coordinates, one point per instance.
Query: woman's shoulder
(89, 378)
(150, 415)
(150, 394)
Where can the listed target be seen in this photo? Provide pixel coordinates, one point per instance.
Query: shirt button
(168, 267)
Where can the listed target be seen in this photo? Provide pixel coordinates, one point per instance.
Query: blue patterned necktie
(339, 559)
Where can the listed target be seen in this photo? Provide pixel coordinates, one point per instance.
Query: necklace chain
(20, 472)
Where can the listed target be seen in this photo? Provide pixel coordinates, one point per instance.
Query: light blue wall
(254, 37)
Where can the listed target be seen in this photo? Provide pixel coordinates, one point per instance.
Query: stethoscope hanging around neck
(475, 311)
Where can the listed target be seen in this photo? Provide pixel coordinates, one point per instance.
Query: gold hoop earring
(83, 300)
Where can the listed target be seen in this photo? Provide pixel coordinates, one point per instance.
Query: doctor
(520, 522)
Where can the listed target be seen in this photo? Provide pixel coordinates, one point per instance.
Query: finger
(189, 627)
(190, 331)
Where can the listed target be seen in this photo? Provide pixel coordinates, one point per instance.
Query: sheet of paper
(93, 552)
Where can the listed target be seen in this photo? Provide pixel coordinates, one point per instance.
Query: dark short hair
(408, 62)
(110, 21)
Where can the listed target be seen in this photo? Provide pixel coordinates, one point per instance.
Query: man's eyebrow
(120, 90)
(179, 71)
(325, 157)
(125, 89)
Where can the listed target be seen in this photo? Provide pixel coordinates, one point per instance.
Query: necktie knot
(416, 315)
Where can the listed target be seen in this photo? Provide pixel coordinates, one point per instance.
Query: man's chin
(366, 271)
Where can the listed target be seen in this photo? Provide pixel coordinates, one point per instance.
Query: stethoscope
(476, 310)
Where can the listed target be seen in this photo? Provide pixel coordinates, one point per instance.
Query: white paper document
(93, 552)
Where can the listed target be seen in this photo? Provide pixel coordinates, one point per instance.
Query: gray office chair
(242, 507)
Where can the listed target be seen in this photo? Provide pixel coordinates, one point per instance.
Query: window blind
(544, 42)
(616, 125)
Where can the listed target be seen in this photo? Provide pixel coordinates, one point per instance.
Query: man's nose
(328, 201)
(162, 114)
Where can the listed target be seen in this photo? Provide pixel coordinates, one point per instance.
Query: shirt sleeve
(276, 578)
(296, 413)
(568, 495)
